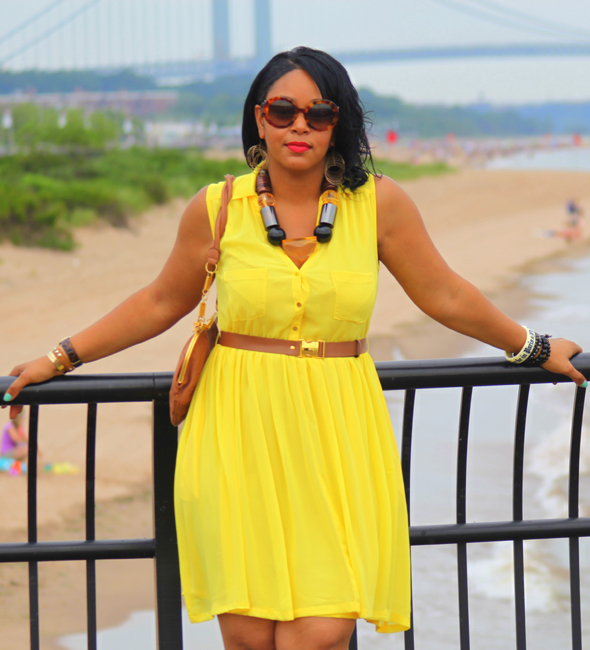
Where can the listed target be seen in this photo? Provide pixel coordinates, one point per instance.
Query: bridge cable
(50, 31)
(496, 19)
(30, 21)
(502, 9)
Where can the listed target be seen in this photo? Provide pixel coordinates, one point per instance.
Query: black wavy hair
(334, 84)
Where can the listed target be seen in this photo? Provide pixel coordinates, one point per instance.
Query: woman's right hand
(32, 372)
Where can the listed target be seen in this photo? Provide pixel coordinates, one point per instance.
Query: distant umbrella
(391, 136)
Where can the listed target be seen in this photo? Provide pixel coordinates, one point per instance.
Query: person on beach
(574, 225)
(289, 497)
(574, 213)
(14, 443)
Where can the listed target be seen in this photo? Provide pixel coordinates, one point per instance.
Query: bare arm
(149, 312)
(407, 251)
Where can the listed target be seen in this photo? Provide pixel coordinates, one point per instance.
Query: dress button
(296, 273)
(295, 328)
(298, 304)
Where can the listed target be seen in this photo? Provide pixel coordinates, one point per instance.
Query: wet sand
(483, 223)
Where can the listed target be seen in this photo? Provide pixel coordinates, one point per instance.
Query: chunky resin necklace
(301, 248)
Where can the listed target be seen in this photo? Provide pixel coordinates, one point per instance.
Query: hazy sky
(111, 32)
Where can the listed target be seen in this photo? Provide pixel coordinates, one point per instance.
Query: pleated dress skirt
(288, 492)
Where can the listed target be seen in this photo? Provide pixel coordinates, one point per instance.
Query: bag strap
(220, 223)
(213, 254)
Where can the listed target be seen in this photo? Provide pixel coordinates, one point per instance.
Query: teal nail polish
(7, 397)
(584, 385)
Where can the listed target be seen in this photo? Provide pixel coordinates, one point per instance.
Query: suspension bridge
(179, 41)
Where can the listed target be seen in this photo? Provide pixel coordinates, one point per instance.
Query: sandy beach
(483, 222)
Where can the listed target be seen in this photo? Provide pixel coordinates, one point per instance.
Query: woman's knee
(314, 633)
(247, 632)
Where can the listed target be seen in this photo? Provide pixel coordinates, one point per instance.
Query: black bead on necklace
(276, 235)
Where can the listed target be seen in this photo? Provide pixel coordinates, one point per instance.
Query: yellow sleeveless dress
(289, 495)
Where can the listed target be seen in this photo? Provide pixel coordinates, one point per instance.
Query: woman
(289, 500)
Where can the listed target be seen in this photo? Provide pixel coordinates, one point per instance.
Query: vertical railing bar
(576, 439)
(406, 461)
(462, 516)
(519, 437)
(576, 605)
(91, 524)
(32, 524)
(353, 645)
(517, 514)
(573, 512)
(407, 429)
(168, 602)
(462, 455)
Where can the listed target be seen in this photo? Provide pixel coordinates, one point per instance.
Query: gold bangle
(55, 361)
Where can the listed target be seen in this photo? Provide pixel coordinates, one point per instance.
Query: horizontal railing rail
(408, 376)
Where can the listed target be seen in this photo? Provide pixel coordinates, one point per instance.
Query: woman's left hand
(559, 362)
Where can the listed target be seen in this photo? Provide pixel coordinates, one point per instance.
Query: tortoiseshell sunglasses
(281, 112)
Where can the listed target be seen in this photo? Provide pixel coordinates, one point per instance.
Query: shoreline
(468, 214)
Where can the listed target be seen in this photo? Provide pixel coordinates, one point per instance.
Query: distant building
(129, 102)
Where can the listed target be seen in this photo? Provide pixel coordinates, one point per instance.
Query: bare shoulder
(395, 208)
(195, 225)
(196, 214)
(389, 194)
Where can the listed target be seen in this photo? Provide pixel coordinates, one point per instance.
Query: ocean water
(574, 159)
(561, 306)
(139, 631)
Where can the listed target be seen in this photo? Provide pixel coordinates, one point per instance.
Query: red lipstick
(298, 147)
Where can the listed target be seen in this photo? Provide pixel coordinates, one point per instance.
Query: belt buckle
(311, 349)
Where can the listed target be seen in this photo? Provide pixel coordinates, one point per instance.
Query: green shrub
(44, 195)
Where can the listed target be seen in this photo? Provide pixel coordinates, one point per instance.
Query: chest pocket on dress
(355, 295)
(246, 293)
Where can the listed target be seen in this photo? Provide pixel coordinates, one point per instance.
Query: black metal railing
(394, 376)
(92, 390)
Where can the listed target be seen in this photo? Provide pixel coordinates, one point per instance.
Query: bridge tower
(221, 30)
(262, 31)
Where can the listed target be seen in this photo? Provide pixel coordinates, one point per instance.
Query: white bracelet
(527, 348)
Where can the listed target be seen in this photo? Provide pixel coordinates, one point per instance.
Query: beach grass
(403, 171)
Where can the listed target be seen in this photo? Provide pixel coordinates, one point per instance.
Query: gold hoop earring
(334, 167)
(256, 156)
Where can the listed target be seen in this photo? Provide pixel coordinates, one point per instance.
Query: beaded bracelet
(544, 354)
